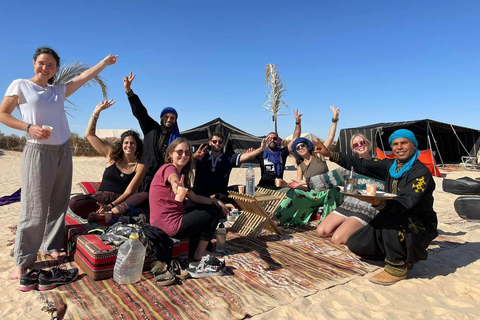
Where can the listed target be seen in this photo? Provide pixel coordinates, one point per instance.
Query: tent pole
(435, 141)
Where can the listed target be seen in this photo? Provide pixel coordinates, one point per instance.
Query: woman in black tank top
(122, 176)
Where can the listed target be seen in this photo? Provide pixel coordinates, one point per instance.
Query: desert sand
(446, 286)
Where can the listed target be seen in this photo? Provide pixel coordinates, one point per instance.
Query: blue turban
(175, 132)
(403, 133)
(298, 141)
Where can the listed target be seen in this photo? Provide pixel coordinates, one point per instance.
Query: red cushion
(88, 187)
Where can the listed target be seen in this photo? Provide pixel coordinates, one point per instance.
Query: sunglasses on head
(359, 144)
(217, 141)
(183, 152)
(300, 146)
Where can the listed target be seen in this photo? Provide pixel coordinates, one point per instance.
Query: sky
(378, 61)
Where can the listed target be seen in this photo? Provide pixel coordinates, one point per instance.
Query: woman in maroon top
(170, 215)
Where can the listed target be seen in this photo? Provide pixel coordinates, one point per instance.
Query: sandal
(176, 269)
(161, 274)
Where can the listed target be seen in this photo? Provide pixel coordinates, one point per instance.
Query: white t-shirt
(42, 106)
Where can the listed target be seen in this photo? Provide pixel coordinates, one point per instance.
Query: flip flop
(176, 269)
(161, 274)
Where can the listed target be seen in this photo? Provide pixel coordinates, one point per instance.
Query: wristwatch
(28, 127)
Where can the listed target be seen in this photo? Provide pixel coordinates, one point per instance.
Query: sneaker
(29, 281)
(56, 277)
(208, 266)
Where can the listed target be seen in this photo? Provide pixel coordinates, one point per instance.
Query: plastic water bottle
(130, 258)
(221, 237)
(250, 181)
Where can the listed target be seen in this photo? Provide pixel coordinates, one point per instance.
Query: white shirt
(42, 106)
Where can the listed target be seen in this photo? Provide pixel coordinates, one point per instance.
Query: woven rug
(264, 273)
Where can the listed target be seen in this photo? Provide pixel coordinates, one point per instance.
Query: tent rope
(458, 138)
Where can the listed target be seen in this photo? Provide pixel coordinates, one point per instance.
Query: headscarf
(175, 134)
(298, 141)
(275, 157)
(403, 133)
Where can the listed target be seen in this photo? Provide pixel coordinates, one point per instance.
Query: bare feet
(58, 255)
(17, 273)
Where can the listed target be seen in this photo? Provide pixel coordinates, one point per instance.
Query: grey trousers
(46, 186)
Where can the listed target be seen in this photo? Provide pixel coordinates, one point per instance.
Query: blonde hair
(187, 170)
(369, 143)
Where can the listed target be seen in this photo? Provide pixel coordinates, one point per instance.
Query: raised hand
(335, 111)
(127, 82)
(265, 142)
(200, 153)
(320, 148)
(298, 116)
(104, 104)
(110, 59)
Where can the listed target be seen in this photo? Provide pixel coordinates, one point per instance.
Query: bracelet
(297, 122)
(95, 116)
(111, 205)
(334, 120)
(28, 127)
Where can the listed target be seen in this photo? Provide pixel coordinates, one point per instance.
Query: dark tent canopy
(448, 142)
(236, 140)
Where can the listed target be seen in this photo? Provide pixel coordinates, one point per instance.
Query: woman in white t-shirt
(47, 159)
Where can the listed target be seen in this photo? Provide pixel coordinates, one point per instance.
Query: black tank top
(115, 180)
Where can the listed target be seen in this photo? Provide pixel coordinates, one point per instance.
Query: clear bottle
(221, 237)
(130, 258)
(351, 185)
(250, 181)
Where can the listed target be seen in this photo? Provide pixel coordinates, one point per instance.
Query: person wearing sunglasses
(272, 161)
(406, 225)
(198, 222)
(157, 136)
(300, 203)
(213, 167)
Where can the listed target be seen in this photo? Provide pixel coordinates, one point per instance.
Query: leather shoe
(385, 279)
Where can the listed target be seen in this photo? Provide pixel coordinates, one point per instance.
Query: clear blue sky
(378, 61)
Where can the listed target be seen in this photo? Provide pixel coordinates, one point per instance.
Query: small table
(254, 217)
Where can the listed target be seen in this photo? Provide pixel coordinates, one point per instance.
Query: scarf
(275, 157)
(403, 133)
(175, 132)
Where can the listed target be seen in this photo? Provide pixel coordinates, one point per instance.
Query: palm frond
(274, 84)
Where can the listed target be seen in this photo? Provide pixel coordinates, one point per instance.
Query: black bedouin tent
(236, 140)
(448, 142)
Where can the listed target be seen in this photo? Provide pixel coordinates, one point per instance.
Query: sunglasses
(300, 146)
(274, 138)
(183, 152)
(359, 144)
(217, 141)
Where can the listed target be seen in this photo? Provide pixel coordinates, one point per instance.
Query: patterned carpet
(264, 273)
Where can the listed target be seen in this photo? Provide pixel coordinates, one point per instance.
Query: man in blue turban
(405, 226)
(157, 136)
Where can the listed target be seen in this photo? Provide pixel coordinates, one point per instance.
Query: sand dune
(446, 286)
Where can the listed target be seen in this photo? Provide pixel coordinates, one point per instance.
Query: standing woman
(47, 158)
(122, 176)
(170, 215)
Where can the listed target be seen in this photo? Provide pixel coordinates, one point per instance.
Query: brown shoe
(385, 279)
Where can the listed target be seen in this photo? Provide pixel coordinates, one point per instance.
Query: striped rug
(263, 273)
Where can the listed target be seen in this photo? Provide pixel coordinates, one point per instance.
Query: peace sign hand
(127, 82)
(200, 153)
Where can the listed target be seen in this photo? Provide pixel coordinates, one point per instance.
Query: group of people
(151, 172)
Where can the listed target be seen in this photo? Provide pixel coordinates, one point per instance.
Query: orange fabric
(425, 157)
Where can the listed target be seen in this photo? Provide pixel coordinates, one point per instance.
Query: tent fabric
(425, 157)
(236, 140)
(448, 142)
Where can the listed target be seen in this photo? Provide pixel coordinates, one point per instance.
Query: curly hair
(187, 170)
(117, 149)
(51, 52)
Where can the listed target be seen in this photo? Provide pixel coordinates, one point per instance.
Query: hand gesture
(265, 142)
(177, 183)
(295, 184)
(110, 59)
(298, 116)
(200, 153)
(335, 111)
(320, 148)
(104, 104)
(127, 82)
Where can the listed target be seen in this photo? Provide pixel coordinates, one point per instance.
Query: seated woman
(300, 203)
(170, 215)
(122, 176)
(353, 213)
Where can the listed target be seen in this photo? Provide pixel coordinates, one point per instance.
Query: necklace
(214, 161)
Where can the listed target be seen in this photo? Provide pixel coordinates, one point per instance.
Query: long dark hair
(187, 170)
(117, 151)
(51, 52)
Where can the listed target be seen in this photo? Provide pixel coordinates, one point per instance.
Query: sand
(446, 286)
